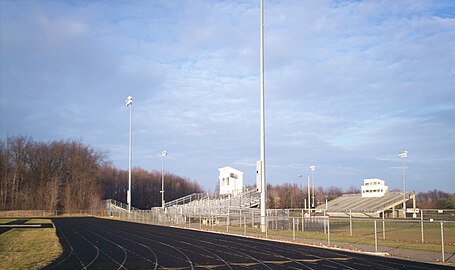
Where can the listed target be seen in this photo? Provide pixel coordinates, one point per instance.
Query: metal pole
(403, 155)
(129, 102)
(312, 168)
(421, 224)
(309, 195)
(328, 231)
(375, 237)
(325, 229)
(262, 133)
(404, 190)
(293, 229)
(244, 224)
(350, 222)
(383, 226)
(442, 242)
(163, 154)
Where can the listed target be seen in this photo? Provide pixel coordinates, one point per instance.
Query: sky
(348, 85)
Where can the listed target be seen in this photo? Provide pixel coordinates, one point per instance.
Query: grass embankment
(22, 248)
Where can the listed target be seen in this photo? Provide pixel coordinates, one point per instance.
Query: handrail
(119, 204)
(186, 199)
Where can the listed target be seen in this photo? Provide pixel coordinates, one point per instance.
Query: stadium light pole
(262, 132)
(403, 155)
(129, 103)
(312, 168)
(163, 154)
(308, 192)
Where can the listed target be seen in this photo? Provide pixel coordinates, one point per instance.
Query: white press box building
(231, 181)
(374, 187)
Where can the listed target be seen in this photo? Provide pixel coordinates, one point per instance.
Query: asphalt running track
(92, 243)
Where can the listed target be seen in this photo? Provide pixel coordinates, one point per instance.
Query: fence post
(350, 222)
(383, 226)
(266, 227)
(421, 225)
(276, 219)
(325, 225)
(303, 224)
(227, 222)
(328, 230)
(293, 229)
(442, 241)
(252, 219)
(289, 222)
(244, 224)
(375, 237)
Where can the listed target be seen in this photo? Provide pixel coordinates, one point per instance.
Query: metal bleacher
(199, 203)
(356, 204)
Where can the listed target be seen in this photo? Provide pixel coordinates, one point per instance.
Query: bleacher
(214, 204)
(356, 205)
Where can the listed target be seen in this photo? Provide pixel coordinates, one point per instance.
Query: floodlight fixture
(129, 101)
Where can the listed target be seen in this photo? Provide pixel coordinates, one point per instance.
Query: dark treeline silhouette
(293, 195)
(146, 186)
(68, 175)
(435, 199)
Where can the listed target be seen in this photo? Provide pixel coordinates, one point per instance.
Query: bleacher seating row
(355, 203)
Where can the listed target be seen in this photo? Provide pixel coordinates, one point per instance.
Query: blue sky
(349, 84)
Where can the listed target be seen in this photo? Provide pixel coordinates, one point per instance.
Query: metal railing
(187, 199)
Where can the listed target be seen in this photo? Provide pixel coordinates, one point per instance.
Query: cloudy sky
(349, 84)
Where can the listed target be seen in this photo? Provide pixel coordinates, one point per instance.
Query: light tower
(129, 103)
(262, 132)
(312, 168)
(403, 155)
(163, 154)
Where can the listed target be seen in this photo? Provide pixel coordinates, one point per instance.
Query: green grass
(39, 221)
(28, 248)
(398, 235)
(6, 220)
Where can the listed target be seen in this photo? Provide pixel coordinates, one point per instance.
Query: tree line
(68, 175)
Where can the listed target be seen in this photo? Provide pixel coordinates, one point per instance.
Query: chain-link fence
(432, 231)
(434, 235)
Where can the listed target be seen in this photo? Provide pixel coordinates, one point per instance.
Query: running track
(92, 243)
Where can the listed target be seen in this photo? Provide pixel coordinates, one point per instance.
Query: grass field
(405, 235)
(6, 220)
(28, 248)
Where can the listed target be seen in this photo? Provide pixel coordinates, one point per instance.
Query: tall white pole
(163, 154)
(403, 155)
(309, 194)
(262, 139)
(129, 103)
(312, 168)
